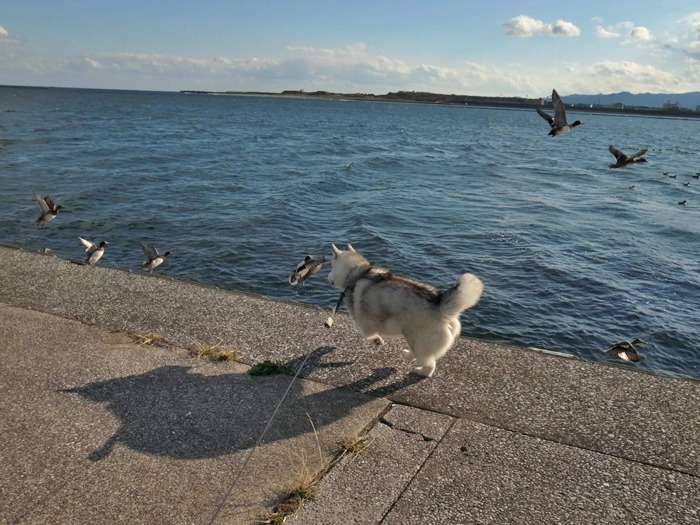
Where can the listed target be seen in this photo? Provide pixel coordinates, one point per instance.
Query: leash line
(252, 450)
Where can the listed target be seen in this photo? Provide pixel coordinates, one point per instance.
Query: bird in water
(697, 175)
(626, 350)
(558, 125)
(49, 209)
(306, 269)
(682, 203)
(155, 259)
(94, 251)
(624, 160)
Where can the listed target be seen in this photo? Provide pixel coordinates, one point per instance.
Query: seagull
(306, 269)
(154, 258)
(558, 124)
(624, 160)
(94, 251)
(626, 350)
(49, 209)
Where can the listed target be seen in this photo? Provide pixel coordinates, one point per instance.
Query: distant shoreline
(416, 97)
(460, 100)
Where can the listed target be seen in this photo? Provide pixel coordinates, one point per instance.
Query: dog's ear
(350, 248)
(335, 249)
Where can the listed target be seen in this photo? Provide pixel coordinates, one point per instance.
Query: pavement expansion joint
(391, 425)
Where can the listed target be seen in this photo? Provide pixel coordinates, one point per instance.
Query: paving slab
(362, 488)
(486, 475)
(98, 429)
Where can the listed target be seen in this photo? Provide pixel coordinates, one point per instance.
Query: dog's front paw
(376, 340)
(425, 370)
(408, 355)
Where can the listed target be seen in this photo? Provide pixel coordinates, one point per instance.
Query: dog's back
(389, 303)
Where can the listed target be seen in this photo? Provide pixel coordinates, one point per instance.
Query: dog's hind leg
(455, 328)
(428, 347)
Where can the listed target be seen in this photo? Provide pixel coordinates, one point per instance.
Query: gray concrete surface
(496, 434)
(97, 429)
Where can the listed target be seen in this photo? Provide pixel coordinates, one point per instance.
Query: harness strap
(348, 288)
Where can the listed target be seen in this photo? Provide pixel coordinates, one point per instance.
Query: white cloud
(351, 69)
(692, 21)
(611, 76)
(524, 26)
(6, 37)
(640, 34)
(563, 28)
(627, 32)
(602, 32)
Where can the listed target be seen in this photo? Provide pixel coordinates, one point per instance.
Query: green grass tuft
(268, 368)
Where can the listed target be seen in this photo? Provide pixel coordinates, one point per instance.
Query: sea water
(574, 256)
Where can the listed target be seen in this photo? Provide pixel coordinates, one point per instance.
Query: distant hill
(651, 100)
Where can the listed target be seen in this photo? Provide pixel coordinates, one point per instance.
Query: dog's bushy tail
(464, 294)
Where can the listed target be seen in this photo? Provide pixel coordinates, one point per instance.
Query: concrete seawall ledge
(505, 434)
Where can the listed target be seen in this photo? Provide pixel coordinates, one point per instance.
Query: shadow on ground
(174, 412)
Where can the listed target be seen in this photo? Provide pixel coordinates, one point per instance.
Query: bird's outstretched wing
(88, 245)
(559, 113)
(50, 203)
(637, 154)
(42, 203)
(149, 250)
(545, 116)
(621, 157)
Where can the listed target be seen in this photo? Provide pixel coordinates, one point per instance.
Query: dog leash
(329, 321)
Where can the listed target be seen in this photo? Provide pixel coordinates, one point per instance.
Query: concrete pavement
(97, 429)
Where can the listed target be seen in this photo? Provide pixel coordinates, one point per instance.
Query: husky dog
(387, 304)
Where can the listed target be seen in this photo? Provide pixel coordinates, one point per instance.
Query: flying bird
(626, 350)
(94, 251)
(155, 259)
(306, 269)
(558, 125)
(623, 160)
(49, 209)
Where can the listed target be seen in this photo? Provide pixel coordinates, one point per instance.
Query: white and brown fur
(382, 303)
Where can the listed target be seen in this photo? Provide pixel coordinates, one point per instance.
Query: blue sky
(508, 47)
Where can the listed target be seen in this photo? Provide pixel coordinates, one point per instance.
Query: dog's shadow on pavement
(174, 412)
